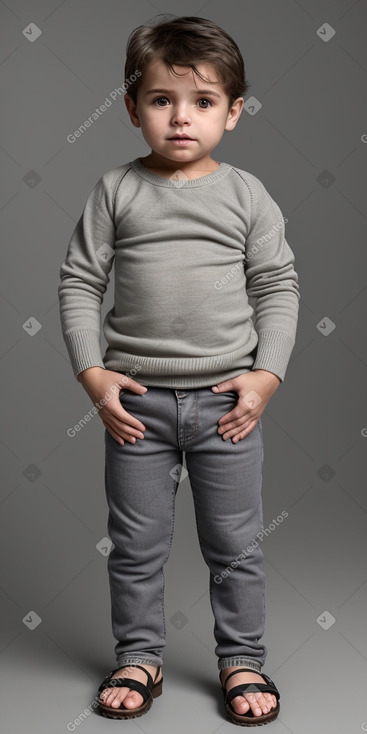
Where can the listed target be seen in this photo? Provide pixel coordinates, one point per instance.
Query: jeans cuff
(131, 660)
(239, 661)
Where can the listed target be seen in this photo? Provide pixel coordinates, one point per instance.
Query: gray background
(308, 145)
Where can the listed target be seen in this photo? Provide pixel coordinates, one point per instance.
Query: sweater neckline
(141, 170)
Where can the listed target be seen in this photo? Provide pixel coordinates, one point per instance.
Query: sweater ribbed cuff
(84, 349)
(273, 352)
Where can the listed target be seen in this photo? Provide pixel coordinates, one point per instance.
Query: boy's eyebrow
(193, 91)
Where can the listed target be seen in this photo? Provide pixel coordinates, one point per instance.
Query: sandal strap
(135, 685)
(268, 687)
(120, 682)
(256, 688)
(234, 672)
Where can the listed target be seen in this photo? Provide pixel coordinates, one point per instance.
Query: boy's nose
(181, 114)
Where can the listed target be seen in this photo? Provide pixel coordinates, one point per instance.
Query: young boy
(192, 240)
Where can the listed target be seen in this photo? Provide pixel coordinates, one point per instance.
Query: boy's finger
(124, 429)
(122, 416)
(114, 435)
(233, 415)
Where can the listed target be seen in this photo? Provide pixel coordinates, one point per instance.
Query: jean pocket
(125, 393)
(232, 394)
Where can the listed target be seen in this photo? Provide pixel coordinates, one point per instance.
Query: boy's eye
(205, 100)
(158, 99)
(200, 100)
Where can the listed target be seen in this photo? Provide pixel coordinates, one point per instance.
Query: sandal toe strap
(135, 685)
(269, 687)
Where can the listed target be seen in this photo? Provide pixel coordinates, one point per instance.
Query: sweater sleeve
(84, 279)
(273, 282)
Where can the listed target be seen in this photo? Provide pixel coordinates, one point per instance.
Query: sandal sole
(244, 720)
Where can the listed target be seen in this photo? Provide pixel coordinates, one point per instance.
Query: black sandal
(149, 691)
(249, 719)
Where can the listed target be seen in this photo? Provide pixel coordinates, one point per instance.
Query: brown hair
(186, 41)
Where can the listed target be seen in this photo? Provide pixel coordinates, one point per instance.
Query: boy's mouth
(180, 137)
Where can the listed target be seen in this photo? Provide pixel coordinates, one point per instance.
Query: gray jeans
(141, 482)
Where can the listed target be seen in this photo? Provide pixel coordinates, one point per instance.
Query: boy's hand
(255, 388)
(103, 387)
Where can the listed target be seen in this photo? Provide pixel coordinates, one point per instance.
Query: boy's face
(178, 108)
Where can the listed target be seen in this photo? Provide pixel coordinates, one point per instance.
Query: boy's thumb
(222, 388)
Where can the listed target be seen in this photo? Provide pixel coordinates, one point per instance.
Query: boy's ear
(234, 113)
(131, 108)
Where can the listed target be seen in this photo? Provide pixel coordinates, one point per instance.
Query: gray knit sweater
(191, 256)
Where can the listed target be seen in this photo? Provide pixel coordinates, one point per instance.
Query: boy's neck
(192, 169)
